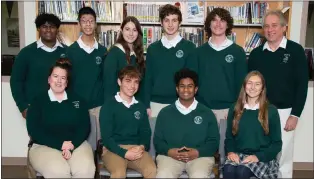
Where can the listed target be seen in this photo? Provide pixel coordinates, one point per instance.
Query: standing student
(283, 64)
(253, 135)
(31, 66)
(164, 58)
(86, 56)
(220, 64)
(125, 129)
(128, 50)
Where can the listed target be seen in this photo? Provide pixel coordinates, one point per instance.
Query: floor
(21, 172)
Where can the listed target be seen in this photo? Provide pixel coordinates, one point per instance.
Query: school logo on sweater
(198, 120)
(76, 104)
(137, 115)
(98, 60)
(229, 58)
(62, 55)
(286, 58)
(179, 54)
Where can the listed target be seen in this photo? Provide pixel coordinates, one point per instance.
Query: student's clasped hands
(67, 146)
(183, 154)
(135, 153)
(235, 158)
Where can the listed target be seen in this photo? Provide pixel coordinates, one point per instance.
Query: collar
(53, 97)
(224, 45)
(283, 44)
(84, 46)
(126, 104)
(170, 43)
(40, 44)
(121, 48)
(185, 110)
(246, 106)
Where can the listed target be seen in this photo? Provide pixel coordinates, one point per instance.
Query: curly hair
(185, 73)
(169, 9)
(41, 19)
(224, 15)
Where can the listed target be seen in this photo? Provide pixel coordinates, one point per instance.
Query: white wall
(309, 41)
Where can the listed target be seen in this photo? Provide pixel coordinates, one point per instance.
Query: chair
(92, 140)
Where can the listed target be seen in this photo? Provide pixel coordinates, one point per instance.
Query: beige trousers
(50, 163)
(168, 167)
(117, 166)
(95, 112)
(220, 114)
(156, 107)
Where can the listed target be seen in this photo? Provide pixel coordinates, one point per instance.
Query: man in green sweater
(125, 129)
(186, 134)
(163, 59)
(32, 64)
(86, 56)
(220, 64)
(284, 67)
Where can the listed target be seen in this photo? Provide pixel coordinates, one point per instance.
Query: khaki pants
(95, 112)
(220, 114)
(117, 166)
(156, 107)
(50, 163)
(168, 167)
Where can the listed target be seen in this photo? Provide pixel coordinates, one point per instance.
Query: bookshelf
(110, 15)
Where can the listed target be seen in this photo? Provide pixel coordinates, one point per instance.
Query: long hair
(242, 99)
(137, 44)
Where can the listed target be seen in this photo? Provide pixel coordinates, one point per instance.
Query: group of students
(188, 89)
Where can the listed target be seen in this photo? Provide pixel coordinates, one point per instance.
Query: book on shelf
(253, 40)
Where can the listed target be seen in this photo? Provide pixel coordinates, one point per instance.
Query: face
(128, 86)
(272, 29)
(218, 26)
(58, 80)
(129, 32)
(48, 32)
(254, 87)
(170, 24)
(87, 24)
(186, 89)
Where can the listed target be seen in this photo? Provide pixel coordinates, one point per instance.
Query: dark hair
(86, 10)
(185, 73)
(224, 15)
(41, 19)
(130, 71)
(65, 64)
(169, 9)
(137, 44)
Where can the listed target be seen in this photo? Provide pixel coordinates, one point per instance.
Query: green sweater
(221, 74)
(87, 73)
(120, 125)
(114, 62)
(30, 73)
(286, 75)
(251, 139)
(161, 65)
(198, 129)
(51, 123)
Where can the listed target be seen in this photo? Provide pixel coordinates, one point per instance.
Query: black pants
(237, 172)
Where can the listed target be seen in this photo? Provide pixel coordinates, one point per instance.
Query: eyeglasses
(87, 21)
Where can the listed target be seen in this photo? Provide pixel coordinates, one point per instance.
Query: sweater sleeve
(240, 71)
(160, 142)
(251, 61)
(145, 131)
(229, 140)
(148, 80)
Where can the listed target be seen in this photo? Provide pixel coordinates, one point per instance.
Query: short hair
(185, 73)
(52, 19)
(86, 10)
(169, 9)
(224, 15)
(279, 14)
(129, 71)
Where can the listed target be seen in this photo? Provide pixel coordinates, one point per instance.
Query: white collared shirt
(121, 47)
(224, 45)
(126, 104)
(170, 43)
(41, 45)
(182, 109)
(53, 97)
(282, 44)
(85, 47)
(246, 106)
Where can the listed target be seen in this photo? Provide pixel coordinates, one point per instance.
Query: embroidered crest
(179, 54)
(76, 104)
(229, 58)
(98, 60)
(286, 58)
(137, 115)
(62, 55)
(198, 120)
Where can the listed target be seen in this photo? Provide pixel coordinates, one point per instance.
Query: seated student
(58, 124)
(125, 129)
(186, 134)
(253, 136)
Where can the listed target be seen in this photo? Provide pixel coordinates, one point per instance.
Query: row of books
(253, 40)
(248, 13)
(143, 12)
